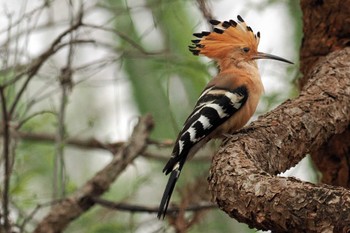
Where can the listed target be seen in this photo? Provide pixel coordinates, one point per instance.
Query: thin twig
(28, 118)
(24, 16)
(96, 144)
(6, 154)
(66, 84)
(205, 10)
(34, 211)
(78, 203)
(162, 157)
(132, 208)
(123, 36)
(37, 63)
(81, 143)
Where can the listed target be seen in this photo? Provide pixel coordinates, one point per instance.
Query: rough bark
(326, 29)
(75, 205)
(242, 177)
(243, 180)
(333, 160)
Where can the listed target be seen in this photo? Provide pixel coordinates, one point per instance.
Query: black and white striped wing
(213, 108)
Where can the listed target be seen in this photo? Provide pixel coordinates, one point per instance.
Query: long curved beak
(261, 55)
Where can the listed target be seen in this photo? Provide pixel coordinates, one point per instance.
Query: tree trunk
(326, 29)
(243, 177)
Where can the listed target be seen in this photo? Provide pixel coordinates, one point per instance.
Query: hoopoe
(228, 101)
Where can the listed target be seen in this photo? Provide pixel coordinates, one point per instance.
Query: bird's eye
(246, 49)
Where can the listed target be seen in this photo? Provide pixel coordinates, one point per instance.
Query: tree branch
(113, 147)
(77, 142)
(242, 178)
(143, 209)
(36, 64)
(75, 205)
(326, 28)
(205, 9)
(6, 118)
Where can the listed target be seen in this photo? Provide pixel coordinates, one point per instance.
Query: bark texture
(326, 29)
(242, 177)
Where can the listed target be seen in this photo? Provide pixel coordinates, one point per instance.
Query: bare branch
(205, 9)
(123, 36)
(34, 211)
(27, 15)
(80, 143)
(77, 204)
(120, 206)
(38, 62)
(66, 83)
(6, 155)
(96, 144)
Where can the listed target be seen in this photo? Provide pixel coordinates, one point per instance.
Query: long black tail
(167, 192)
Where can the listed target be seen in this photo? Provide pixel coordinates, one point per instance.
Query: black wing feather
(211, 114)
(208, 105)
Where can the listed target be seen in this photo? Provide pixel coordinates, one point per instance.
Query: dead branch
(205, 9)
(6, 155)
(77, 142)
(36, 64)
(92, 143)
(132, 208)
(242, 177)
(77, 204)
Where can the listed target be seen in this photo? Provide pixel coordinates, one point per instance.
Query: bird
(228, 101)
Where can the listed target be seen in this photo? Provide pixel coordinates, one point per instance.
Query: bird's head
(229, 43)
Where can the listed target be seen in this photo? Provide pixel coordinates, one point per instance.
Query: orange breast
(255, 88)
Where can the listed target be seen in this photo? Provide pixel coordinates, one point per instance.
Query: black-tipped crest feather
(205, 33)
(217, 30)
(199, 35)
(194, 51)
(226, 24)
(224, 37)
(233, 23)
(240, 18)
(214, 22)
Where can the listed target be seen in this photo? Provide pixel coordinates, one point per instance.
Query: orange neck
(227, 63)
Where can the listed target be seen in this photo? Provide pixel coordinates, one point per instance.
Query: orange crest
(225, 37)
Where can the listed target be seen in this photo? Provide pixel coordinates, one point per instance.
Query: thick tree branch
(326, 29)
(243, 180)
(75, 205)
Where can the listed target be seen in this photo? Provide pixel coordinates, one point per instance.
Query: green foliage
(98, 220)
(150, 70)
